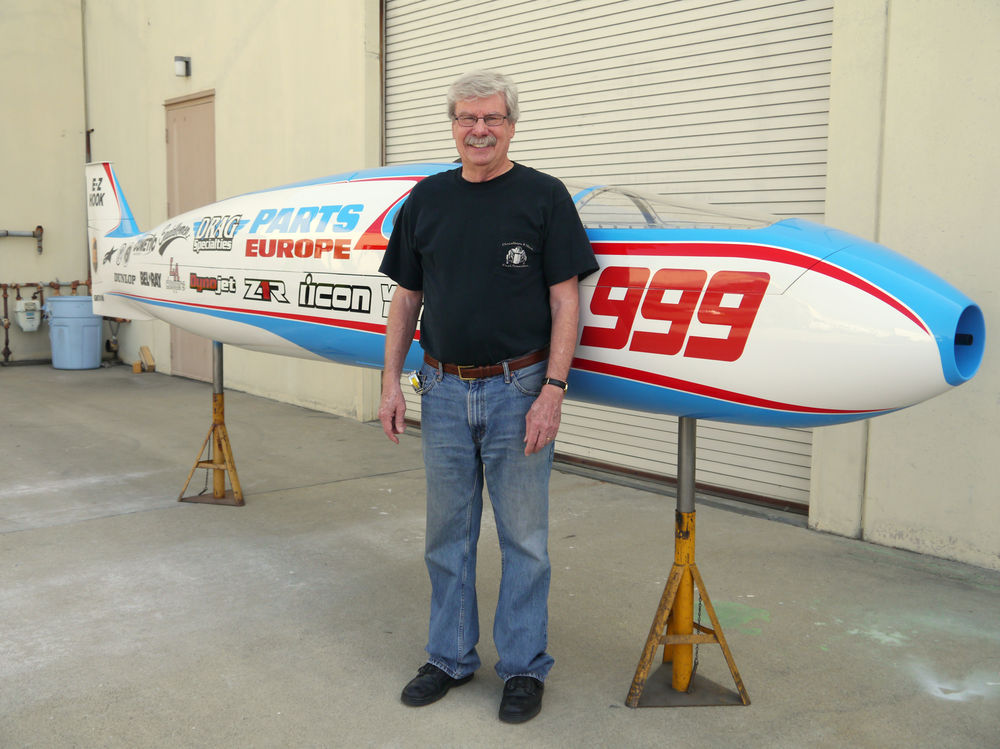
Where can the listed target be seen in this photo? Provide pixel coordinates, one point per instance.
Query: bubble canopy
(612, 207)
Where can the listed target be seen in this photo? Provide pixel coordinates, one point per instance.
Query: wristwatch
(558, 383)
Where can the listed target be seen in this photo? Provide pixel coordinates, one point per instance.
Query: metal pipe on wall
(40, 293)
(37, 234)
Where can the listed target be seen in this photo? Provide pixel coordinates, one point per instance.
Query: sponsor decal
(339, 249)
(339, 296)
(181, 231)
(173, 281)
(149, 278)
(265, 290)
(387, 291)
(218, 284)
(141, 246)
(128, 278)
(730, 301)
(98, 297)
(215, 233)
(145, 245)
(96, 197)
(107, 255)
(310, 219)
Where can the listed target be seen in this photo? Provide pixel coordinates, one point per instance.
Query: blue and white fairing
(694, 312)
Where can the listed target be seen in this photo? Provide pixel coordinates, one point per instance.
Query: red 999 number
(636, 294)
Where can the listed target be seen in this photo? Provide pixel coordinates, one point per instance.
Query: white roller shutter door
(721, 102)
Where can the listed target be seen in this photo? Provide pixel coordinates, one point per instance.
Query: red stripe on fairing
(368, 327)
(766, 253)
(694, 388)
(111, 180)
(118, 202)
(372, 238)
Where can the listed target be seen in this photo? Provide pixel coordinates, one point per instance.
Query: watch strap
(558, 383)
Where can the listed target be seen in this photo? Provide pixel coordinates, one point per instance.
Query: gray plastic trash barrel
(74, 332)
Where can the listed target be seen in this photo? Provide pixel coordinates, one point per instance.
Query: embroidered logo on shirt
(517, 255)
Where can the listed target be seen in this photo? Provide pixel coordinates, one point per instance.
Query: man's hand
(392, 410)
(542, 422)
(399, 330)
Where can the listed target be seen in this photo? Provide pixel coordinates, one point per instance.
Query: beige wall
(915, 164)
(297, 96)
(42, 152)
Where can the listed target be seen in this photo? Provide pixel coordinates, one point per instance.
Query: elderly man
(493, 250)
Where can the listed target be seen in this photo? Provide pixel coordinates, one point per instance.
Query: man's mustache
(480, 141)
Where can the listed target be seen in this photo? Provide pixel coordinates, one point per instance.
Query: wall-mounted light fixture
(182, 67)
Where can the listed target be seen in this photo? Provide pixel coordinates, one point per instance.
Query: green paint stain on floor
(739, 617)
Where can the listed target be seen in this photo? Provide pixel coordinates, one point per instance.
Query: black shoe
(429, 685)
(522, 699)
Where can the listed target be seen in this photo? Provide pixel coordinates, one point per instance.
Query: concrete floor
(128, 619)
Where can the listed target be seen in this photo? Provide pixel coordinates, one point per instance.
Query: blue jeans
(473, 431)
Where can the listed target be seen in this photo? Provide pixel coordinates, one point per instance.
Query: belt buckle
(460, 367)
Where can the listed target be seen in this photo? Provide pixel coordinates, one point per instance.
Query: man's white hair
(480, 84)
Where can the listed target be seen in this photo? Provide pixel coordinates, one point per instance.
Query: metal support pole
(220, 459)
(687, 430)
(674, 684)
(681, 619)
(216, 368)
(218, 420)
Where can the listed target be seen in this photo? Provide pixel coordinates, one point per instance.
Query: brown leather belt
(467, 372)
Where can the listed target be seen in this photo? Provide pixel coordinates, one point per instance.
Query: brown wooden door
(190, 184)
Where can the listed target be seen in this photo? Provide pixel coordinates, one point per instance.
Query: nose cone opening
(969, 343)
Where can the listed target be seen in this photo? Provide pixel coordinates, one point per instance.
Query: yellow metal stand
(220, 454)
(676, 684)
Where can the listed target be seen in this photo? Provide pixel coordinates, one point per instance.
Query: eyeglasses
(490, 120)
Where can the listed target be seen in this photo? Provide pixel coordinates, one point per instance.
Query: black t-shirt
(485, 254)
